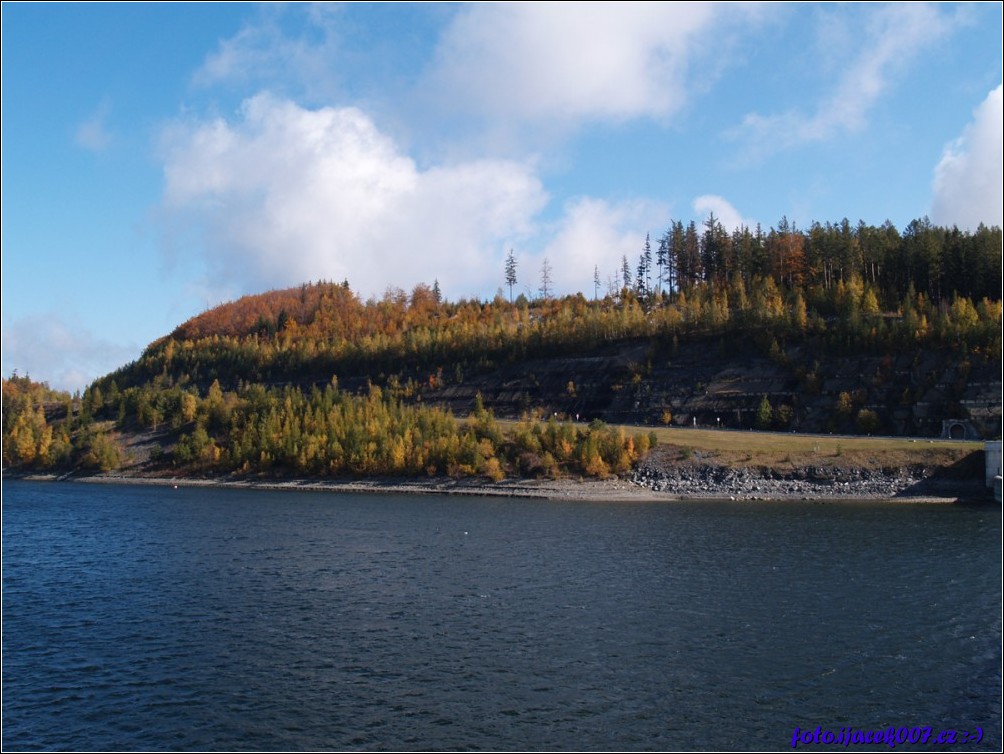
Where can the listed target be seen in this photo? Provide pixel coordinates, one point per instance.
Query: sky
(160, 159)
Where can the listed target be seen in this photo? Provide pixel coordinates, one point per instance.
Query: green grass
(754, 442)
(787, 449)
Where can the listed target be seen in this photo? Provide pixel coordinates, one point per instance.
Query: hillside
(770, 334)
(621, 360)
(723, 382)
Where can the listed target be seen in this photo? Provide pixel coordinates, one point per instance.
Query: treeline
(936, 261)
(318, 433)
(330, 432)
(857, 287)
(416, 343)
(73, 440)
(939, 263)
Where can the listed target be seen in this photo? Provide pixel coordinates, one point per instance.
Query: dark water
(147, 618)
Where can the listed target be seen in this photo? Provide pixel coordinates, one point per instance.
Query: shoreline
(567, 490)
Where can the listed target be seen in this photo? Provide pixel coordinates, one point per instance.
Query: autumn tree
(764, 414)
(787, 253)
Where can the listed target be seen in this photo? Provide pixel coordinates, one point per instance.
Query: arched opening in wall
(957, 431)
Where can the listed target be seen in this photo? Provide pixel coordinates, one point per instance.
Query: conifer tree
(510, 272)
(661, 261)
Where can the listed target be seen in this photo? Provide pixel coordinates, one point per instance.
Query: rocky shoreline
(649, 483)
(609, 490)
(803, 483)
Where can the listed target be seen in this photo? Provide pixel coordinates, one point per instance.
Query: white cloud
(62, 352)
(569, 61)
(286, 194)
(893, 37)
(727, 215)
(264, 54)
(93, 134)
(969, 177)
(595, 233)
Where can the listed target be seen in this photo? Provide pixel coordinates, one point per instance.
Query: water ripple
(142, 618)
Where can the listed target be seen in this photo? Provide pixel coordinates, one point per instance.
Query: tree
(845, 404)
(596, 281)
(647, 257)
(188, 405)
(764, 414)
(510, 272)
(799, 313)
(688, 252)
(867, 422)
(625, 271)
(545, 280)
(662, 258)
(869, 302)
(643, 281)
(639, 278)
(787, 253)
(711, 253)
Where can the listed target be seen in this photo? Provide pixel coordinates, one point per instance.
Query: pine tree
(647, 256)
(640, 275)
(510, 272)
(662, 261)
(711, 252)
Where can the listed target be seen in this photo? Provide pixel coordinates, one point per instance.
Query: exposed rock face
(717, 384)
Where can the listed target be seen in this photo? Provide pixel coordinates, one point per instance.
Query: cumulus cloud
(727, 215)
(968, 180)
(893, 36)
(93, 134)
(568, 61)
(62, 352)
(595, 233)
(285, 194)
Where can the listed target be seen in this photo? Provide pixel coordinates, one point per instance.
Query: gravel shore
(647, 484)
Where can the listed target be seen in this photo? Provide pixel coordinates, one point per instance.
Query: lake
(139, 618)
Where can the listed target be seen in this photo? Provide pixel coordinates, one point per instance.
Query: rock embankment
(705, 480)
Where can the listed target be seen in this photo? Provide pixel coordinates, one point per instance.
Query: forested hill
(834, 328)
(832, 291)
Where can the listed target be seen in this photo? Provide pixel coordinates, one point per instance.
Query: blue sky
(159, 159)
